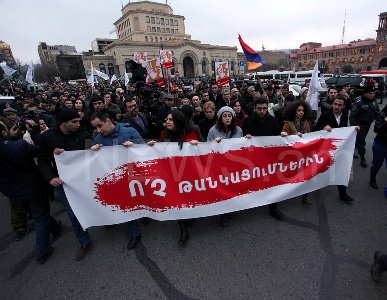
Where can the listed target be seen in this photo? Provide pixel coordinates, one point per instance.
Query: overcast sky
(280, 24)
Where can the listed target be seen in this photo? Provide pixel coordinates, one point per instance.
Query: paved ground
(321, 251)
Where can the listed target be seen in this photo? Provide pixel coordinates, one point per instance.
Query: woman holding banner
(178, 130)
(297, 116)
(225, 128)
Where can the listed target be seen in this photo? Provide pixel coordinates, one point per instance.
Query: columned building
(356, 56)
(150, 26)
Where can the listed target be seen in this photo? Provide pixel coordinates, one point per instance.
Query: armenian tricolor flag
(254, 60)
(171, 86)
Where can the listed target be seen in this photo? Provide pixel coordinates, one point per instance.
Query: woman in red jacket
(178, 130)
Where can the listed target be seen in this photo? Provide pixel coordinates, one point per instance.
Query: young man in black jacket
(66, 136)
(261, 123)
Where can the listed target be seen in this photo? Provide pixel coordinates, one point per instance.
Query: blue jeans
(379, 152)
(82, 235)
(40, 212)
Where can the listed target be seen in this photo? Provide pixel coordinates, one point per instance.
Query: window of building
(380, 48)
(152, 20)
(168, 31)
(353, 60)
(345, 52)
(165, 39)
(338, 61)
(156, 39)
(353, 52)
(146, 38)
(345, 60)
(172, 30)
(176, 31)
(148, 28)
(157, 20)
(171, 22)
(175, 22)
(330, 54)
(147, 19)
(102, 68)
(361, 59)
(163, 29)
(338, 53)
(166, 21)
(162, 21)
(362, 51)
(370, 59)
(151, 39)
(153, 29)
(110, 68)
(158, 29)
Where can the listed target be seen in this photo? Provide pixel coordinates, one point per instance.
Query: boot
(363, 162)
(184, 234)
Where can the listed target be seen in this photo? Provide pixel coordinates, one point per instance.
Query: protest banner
(222, 73)
(141, 58)
(155, 73)
(118, 184)
(166, 59)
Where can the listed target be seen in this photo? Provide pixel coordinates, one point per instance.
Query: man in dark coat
(335, 118)
(261, 123)
(66, 136)
(22, 183)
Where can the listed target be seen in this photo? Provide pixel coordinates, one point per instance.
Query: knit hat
(226, 109)
(9, 110)
(188, 110)
(368, 89)
(67, 114)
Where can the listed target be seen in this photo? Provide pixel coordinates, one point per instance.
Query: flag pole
(92, 77)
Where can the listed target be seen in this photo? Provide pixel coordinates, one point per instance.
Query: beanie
(226, 109)
(66, 115)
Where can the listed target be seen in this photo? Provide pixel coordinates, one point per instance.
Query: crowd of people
(40, 124)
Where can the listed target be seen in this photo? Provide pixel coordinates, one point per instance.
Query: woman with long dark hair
(178, 130)
(225, 128)
(297, 116)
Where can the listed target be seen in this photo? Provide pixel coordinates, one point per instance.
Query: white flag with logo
(141, 58)
(101, 74)
(7, 70)
(314, 87)
(30, 75)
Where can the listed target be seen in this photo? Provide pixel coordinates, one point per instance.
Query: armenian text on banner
(166, 59)
(155, 73)
(141, 58)
(222, 74)
(118, 184)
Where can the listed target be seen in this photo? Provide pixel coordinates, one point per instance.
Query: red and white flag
(166, 59)
(141, 58)
(155, 73)
(222, 73)
(118, 184)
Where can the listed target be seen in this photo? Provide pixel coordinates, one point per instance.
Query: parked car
(338, 81)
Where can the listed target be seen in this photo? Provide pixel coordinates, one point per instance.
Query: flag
(90, 78)
(166, 59)
(127, 79)
(7, 70)
(141, 58)
(30, 75)
(113, 78)
(314, 87)
(154, 72)
(254, 60)
(171, 86)
(101, 74)
(222, 73)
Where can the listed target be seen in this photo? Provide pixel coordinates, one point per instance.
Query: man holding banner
(66, 136)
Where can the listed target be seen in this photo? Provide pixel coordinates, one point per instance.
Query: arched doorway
(383, 63)
(188, 66)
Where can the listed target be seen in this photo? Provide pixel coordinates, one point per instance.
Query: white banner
(29, 74)
(118, 184)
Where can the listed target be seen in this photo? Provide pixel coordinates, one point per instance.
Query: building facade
(48, 54)
(6, 54)
(356, 56)
(149, 26)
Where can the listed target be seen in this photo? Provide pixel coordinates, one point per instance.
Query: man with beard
(261, 123)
